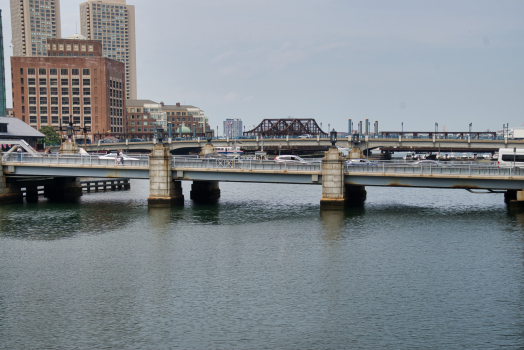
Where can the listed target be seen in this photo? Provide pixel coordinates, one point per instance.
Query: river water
(265, 268)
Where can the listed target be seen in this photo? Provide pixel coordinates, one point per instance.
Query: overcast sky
(413, 62)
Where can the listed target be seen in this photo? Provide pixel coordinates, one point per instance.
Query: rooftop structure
(74, 47)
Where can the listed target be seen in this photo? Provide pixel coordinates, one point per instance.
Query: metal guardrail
(246, 164)
(75, 159)
(382, 167)
(465, 168)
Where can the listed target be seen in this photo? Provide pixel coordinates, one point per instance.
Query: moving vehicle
(430, 163)
(113, 156)
(510, 157)
(290, 159)
(360, 161)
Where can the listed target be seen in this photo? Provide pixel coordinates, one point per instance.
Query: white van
(509, 157)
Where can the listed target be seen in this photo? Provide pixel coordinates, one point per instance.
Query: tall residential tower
(112, 22)
(32, 23)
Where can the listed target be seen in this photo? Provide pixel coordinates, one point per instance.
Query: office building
(143, 117)
(3, 106)
(112, 22)
(233, 128)
(32, 23)
(88, 91)
(186, 116)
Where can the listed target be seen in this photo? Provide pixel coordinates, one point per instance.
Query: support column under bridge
(9, 194)
(163, 190)
(335, 193)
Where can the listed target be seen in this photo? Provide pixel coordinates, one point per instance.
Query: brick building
(75, 45)
(89, 91)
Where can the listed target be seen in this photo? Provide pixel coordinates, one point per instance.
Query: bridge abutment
(205, 191)
(163, 191)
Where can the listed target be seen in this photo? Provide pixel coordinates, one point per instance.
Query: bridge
(392, 144)
(341, 183)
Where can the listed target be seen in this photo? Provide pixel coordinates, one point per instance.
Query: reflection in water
(265, 268)
(332, 224)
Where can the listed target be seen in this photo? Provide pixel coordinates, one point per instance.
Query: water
(263, 269)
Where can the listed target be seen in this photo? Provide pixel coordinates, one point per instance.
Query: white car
(113, 156)
(290, 159)
(360, 161)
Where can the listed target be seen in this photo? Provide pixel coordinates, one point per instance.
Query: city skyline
(417, 64)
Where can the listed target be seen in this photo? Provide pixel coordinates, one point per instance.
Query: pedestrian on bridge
(19, 154)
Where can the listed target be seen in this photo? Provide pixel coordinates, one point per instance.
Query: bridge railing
(76, 159)
(246, 164)
(470, 169)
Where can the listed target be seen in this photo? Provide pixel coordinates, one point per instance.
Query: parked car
(361, 162)
(137, 140)
(290, 159)
(112, 156)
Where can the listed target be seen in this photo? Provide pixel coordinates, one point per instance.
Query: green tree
(51, 136)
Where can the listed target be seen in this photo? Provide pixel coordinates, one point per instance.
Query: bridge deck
(400, 174)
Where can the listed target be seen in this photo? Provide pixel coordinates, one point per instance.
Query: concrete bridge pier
(514, 197)
(163, 191)
(205, 191)
(31, 193)
(63, 188)
(335, 193)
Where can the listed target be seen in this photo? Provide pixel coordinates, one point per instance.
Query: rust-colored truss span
(284, 127)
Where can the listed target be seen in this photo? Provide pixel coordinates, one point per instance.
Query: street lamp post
(436, 129)
(402, 129)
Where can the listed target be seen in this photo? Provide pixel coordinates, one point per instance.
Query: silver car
(290, 159)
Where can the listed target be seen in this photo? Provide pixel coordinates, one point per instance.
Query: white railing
(246, 164)
(76, 159)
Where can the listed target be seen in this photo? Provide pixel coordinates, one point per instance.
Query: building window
(42, 71)
(65, 91)
(65, 119)
(86, 82)
(75, 82)
(42, 81)
(74, 71)
(65, 110)
(87, 120)
(64, 82)
(43, 109)
(43, 119)
(54, 110)
(32, 100)
(76, 110)
(30, 71)
(138, 110)
(54, 100)
(52, 82)
(76, 100)
(54, 119)
(76, 120)
(64, 71)
(87, 110)
(178, 113)
(65, 100)
(87, 100)
(43, 100)
(32, 119)
(21, 71)
(76, 91)
(87, 91)
(52, 71)
(31, 81)
(85, 71)
(32, 91)
(43, 91)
